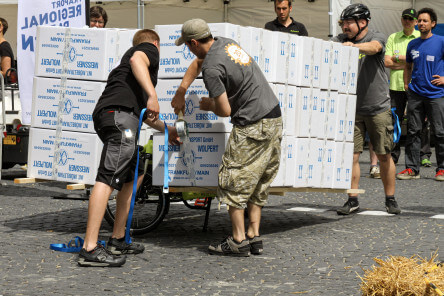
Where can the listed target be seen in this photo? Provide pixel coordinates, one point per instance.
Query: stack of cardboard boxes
(315, 82)
(72, 66)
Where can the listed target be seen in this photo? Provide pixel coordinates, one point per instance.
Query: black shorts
(118, 132)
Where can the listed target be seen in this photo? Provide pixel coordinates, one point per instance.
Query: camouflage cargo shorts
(250, 163)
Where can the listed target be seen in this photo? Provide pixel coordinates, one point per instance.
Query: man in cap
(395, 60)
(373, 114)
(424, 81)
(237, 88)
(284, 22)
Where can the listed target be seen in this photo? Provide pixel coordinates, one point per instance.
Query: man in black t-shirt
(129, 89)
(283, 21)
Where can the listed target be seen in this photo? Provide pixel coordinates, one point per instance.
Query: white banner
(32, 13)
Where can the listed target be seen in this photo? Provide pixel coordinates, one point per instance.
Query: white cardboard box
(328, 165)
(315, 159)
(286, 173)
(317, 59)
(325, 64)
(335, 74)
(343, 165)
(315, 103)
(344, 69)
(302, 108)
(76, 162)
(353, 70)
(206, 152)
(332, 115)
(350, 118)
(91, 53)
(275, 52)
(197, 120)
(341, 123)
(302, 161)
(286, 95)
(301, 76)
(80, 100)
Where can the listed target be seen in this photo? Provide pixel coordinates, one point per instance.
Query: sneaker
(407, 174)
(99, 257)
(228, 247)
(349, 207)
(439, 175)
(119, 247)
(392, 207)
(426, 163)
(256, 245)
(374, 172)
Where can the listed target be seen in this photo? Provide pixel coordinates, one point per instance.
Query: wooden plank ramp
(273, 190)
(75, 186)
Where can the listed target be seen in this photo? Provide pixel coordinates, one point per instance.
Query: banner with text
(30, 14)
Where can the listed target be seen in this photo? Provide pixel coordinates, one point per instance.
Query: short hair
(280, 1)
(430, 12)
(4, 25)
(145, 35)
(97, 12)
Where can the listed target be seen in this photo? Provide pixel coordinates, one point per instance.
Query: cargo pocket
(389, 144)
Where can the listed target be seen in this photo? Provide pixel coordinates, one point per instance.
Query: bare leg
(388, 173)
(254, 218)
(356, 173)
(237, 223)
(123, 204)
(96, 210)
(373, 156)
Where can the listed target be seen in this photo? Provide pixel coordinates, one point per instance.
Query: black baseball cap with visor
(357, 12)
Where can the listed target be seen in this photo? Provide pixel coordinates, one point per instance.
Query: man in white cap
(237, 88)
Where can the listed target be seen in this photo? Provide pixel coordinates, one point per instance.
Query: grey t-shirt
(228, 68)
(372, 88)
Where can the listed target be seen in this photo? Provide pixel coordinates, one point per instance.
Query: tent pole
(226, 10)
(140, 14)
(330, 18)
(87, 7)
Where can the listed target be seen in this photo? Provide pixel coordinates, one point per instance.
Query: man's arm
(407, 75)
(218, 105)
(178, 102)
(394, 65)
(173, 137)
(139, 65)
(368, 48)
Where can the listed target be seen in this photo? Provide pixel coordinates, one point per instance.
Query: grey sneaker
(256, 245)
(99, 257)
(392, 207)
(349, 207)
(119, 247)
(228, 247)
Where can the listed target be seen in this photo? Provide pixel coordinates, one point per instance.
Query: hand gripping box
(197, 120)
(206, 153)
(286, 173)
(77, 160)
(77, 109)
(90, 53)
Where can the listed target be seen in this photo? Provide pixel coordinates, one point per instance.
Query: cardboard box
(350, 118)
(344, 69)
(341, 117)
(317, 59)
(197, 120)
(301, 65)
(343, 165)
(325, 64)
(275, 52)
(315, 160)
(332, 114)
(91, 53)
(206, 152)
(353, 70)
(226, 30)
(80, 101)
(76, 162)
(302, 108)
(286, 173)
(329, 165)
(286, 95)
(336, 62)
(315, 124)
(302, 162)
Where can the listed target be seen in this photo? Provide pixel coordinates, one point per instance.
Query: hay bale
(401, 276)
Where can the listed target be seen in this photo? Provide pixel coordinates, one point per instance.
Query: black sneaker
(349, 207)
(392, 207)
(99, 257)
(228, 247)
(256, 245)
(119, 247)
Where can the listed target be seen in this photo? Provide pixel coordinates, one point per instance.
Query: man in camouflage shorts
(237, 88)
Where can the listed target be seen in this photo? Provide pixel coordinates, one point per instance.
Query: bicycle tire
(150, 207)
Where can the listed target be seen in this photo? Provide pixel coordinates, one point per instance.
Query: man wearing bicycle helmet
(373, 113)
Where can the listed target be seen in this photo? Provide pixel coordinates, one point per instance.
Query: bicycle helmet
(357, 12)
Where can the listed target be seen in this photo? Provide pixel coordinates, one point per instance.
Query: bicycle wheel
(150, 207)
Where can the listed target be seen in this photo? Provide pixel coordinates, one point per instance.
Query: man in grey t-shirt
(237, 88)
(373, 113)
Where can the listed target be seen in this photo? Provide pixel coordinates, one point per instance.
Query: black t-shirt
(6, 51)
(122, 88)
(294, 28)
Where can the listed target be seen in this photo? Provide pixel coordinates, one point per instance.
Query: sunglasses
(407, 18)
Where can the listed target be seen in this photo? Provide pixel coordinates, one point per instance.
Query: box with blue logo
(200, 157)
(286, 174)
(274, 58)
(76, 161)
(303, 111)
(197, 120)
(90, 54)
(343, 165)
(77, 107)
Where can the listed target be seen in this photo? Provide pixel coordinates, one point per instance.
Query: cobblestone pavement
(309, 250)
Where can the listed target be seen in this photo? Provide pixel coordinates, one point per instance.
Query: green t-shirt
(397, 44)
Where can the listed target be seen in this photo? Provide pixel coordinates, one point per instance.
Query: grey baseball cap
(193, 29)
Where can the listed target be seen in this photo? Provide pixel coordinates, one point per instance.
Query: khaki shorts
(250, 163)
(380, 132)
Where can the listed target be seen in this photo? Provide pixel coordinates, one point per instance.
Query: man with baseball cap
(237, 88)
(395, 60)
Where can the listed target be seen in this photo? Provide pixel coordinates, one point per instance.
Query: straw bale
(401, 276)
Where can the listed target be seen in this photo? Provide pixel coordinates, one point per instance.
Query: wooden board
(273, 190)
